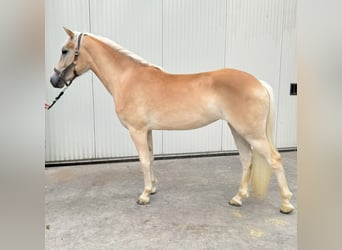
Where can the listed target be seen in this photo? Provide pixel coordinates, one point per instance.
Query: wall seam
(162, 62)
(280, 72)
(224, 61)
(92, 86)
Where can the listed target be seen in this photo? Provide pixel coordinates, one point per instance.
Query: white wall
(183, 37)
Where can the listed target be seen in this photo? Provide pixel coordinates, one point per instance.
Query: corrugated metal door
(287, 104)
(182, 37)
(135, 25)
(193, 41)
(70, 124)
(254, 40)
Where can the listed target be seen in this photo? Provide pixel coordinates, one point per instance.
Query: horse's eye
(64, 51)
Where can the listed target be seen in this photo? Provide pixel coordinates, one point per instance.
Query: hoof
(139, 202)
(288, 211)
(234, 203)
(143, 201)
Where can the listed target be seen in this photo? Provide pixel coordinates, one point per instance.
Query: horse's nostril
(54, 79)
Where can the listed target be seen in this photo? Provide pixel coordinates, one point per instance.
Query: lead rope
(56, 99)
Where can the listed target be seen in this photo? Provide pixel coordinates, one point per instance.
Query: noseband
(71, 66)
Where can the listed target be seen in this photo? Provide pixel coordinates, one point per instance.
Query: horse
(147, 98)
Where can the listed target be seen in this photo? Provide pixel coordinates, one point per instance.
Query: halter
(72, 66)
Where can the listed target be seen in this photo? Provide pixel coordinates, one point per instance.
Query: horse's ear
(69, 32)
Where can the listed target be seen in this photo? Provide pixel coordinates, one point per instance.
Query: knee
(145, 162)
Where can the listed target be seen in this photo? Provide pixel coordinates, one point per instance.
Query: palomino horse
(147, 98)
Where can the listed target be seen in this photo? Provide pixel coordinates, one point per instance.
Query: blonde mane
(122, 50)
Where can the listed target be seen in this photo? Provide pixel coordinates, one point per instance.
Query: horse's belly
(182, 120)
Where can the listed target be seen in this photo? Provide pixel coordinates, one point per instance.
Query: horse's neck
(108, 64)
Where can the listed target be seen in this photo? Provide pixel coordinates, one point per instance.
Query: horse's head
(71, 63)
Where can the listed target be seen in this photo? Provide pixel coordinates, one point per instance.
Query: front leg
(140, 139)
(150, 149)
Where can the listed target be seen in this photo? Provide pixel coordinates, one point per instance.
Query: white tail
(261, 171)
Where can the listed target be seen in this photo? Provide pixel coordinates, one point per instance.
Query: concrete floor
(94, 207)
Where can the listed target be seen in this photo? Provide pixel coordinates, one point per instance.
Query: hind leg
(272, 156)
(246, 161)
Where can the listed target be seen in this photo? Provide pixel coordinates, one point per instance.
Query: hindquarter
(243, 100)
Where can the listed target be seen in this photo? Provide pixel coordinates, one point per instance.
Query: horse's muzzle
(56, 81)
